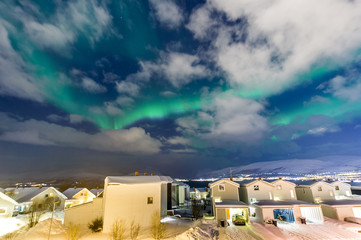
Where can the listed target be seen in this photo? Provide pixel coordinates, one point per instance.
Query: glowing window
(256, 187)
(51, 194)
(279, 187)
(292, 194)
(2, 211)
(331, 193)
(150, 200)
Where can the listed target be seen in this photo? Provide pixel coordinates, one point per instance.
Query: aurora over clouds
(170, 84)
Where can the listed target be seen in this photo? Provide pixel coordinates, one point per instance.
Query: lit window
(348, 193)
(331, 193)
(51, 194)
(279, 187)
(256, 187)
(221, 187)
(292, 194)
(217, 200)
(319, 189)
(2, 211)
(337, 188)
(270, 195)
(150, 200)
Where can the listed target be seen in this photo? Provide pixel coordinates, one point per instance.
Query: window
(279, 187)
(337, 188)
(2, 211)
(46, 195)
(50, 194)
(292, 194)
(221, 187)
(150, 200)
(319, 189)
(256, 187)
(331, 193)
(270, 195)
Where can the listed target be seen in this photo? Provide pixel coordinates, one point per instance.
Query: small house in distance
(314, 191)
(7, 206)
(199, 193)
(97, 191)
(135, 198)
(37, 197)
(77, 196)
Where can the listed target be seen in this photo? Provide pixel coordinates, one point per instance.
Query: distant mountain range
(331, 164)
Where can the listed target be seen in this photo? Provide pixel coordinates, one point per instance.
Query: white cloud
(91, 86)
(168, 13)
(280, 39)
(201, 22)
(112, 109)
(134, 140)
(14, 80)
(348, 88)
(127, 87)
(178, 141)
(168, 94)
(124, 101)
(75, 118)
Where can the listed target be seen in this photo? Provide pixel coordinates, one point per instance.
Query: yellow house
(77, 196)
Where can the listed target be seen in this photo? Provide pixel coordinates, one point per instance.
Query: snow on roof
(137, 179)
(282, 203)
(27, 194)
(248, 182)
(344, 202)
(70, 192)
(230, 203)
(7, 198)
(2, 190)
(212, 184)
(308, 183)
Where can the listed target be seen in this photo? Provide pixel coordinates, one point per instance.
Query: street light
(52, 216)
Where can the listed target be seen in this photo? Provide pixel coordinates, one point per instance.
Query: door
(228, 214)
(312, 214)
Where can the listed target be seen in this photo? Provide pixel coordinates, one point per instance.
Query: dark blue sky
(178, 87)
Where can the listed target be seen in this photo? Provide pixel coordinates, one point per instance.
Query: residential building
(254, 190)
(77, 196)
(314, 191)
(340, 209)
(97, 191)
(284, 190)
(7, 206)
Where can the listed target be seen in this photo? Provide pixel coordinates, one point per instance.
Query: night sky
(176, 87)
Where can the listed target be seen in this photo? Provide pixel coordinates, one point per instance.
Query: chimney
(145, 174)
(231, 178)
(40, 186)
(329, 179)
(152, 174)
(136, 174)
(206, 189)
(74, 187)
(194, 189)
(280, 178)
(259, 178)
(314, 179)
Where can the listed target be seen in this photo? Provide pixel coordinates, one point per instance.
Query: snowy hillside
(332, 164)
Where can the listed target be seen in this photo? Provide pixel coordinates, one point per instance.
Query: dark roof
(201, 189)
(231, 203)
(342, 202)
(281, 203)
(70, 192)
(96, 192)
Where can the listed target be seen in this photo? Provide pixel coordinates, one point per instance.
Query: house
(97, 191)
(284, 190)
(135, 198)
(199, 193)
(315, 191)
(290, 211)
(2, 190)
(225, 199)
(40, 198)
(251, 191)
(180, 193)
(77, 196)
(340, 209)
(7, 206)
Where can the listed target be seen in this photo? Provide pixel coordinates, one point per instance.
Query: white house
(289, 211)
(180, 193)
(340, 209)
(97, 191)
(77, 196)
(135, 198)
(41, 196)
(7, 206)
(225, 199)
(284, 190)
(254, 190)
(315, 191)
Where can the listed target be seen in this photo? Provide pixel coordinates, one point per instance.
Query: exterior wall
(230, 192)
(262, 194)
(84, 196)
(337, 212)
(221, 214)
(85, 213)
(259, 215)
(304, 194)
(164, 199)
(129, 202)
(344, 189)
(8, 207)
(325, 193)
(267, 213)
(285, 192)
(42, 198)
(243, 195)
(182, 194)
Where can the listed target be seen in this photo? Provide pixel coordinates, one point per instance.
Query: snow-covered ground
(181, 229)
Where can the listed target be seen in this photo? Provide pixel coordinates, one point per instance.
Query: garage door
(312, 214)
(284, 214)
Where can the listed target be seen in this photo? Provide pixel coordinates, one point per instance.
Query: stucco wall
(129, 202)
(329, 211)
(221, 214)
(230, 192)
(325, 193)
(304, 194)
(344, 189)
(285, 192)
(85, 213)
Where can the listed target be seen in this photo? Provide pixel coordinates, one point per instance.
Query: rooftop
(231, 203)
(137, 179)
(345, 202)
(281, 203)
